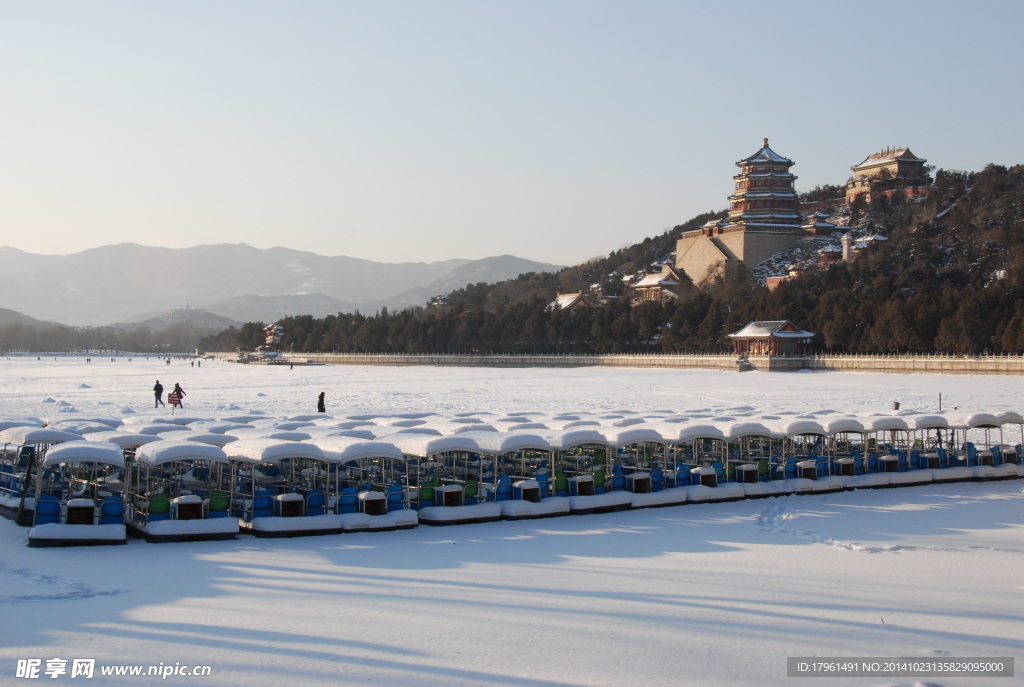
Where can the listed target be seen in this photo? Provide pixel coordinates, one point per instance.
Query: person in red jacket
(179, 393)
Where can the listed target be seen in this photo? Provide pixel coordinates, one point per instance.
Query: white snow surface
(55, 531)
(702, 594)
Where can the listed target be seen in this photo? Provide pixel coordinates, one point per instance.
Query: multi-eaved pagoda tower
(764, 219)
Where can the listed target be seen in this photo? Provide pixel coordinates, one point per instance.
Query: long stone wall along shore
(845, 363)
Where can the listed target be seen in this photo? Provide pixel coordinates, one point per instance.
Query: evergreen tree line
(176, 338)
(950, 278)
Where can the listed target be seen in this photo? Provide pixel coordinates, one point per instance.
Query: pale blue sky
(428, 130)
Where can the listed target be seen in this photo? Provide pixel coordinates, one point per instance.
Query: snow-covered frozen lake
(709, 594)
(219, 387)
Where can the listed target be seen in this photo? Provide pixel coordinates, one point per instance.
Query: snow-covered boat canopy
(147, 419)
(842, 425)
(922, 422)
(356, 433)
(110, 422)
(884, 423)
(309, 418)
(802, 427)
(404, 422)
(349, 449)
(1010, 417)
(211, 439)
(217, 427)
(268, 433)
(242, 419)
(573, 424)
(740, 430)
(423, 445)
(155, 428)
(320, 431)
(353, 424)
(271, 450)
(293, 425)
(981, 421)
(689, 431)
(450, 427)
(160, 452)
(632, 434)
(73, 452)
(626, 422)
(7, 423)
(498, 443)
(180, 434)
(467, 420)
(123, 439)
(23, 436)
(524, 426)
(562, 439)
(81, 427)
(183, 420)
(282, 435)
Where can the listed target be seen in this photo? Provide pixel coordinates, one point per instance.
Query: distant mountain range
(129, 283)
(13, 317)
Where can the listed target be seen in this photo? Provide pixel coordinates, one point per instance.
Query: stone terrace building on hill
(764, 219)
(897, 164)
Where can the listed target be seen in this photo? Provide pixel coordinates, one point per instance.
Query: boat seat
(26, 454)
(561, 484)
(348, 500)
(599, 482)
(263, 504)
(218, 503)
(470, 492)
(112, 511)
(159, 507)
(426, 497)
(618, 482)
(47, 509)
(504, 490)
(395, 495)
(682, 475)
(315, 502)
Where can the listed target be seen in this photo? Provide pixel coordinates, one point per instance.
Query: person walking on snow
(158, 391)
(321, 406)
(181, 394)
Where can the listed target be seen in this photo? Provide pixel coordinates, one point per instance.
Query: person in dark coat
(321, 406)
(181, 394)
(158, 391)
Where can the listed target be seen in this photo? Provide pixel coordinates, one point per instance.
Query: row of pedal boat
(98, 480)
